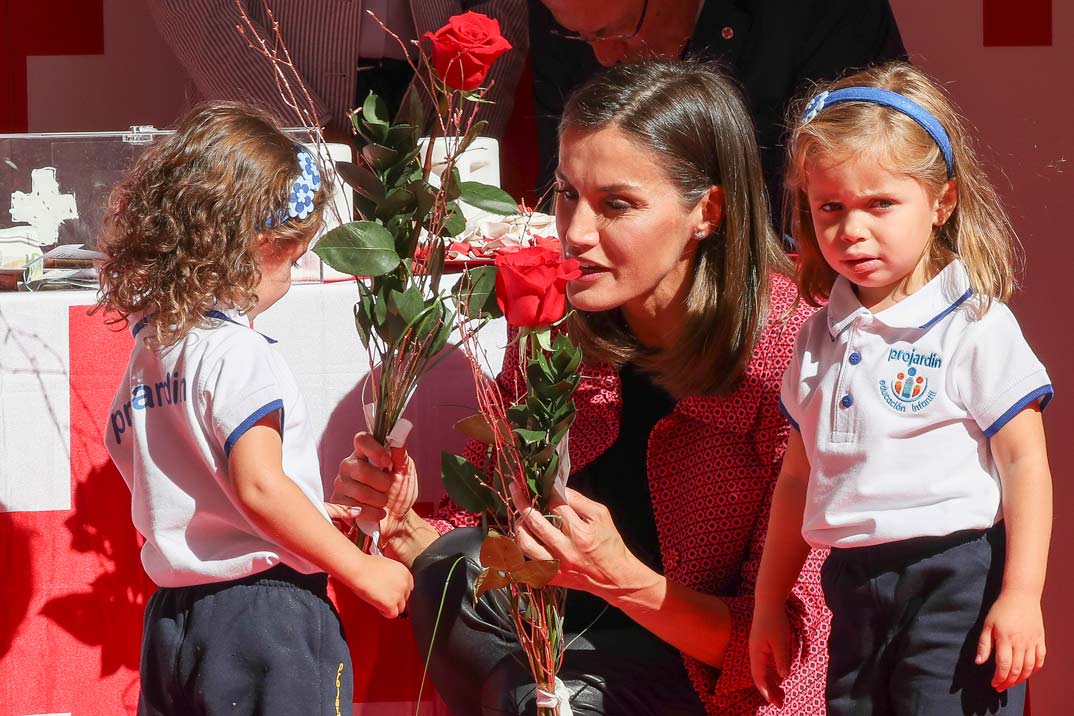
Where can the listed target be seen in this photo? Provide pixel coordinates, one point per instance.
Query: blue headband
(894, 100)
(300, 198)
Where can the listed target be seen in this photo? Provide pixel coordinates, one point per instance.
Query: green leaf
(537, 375)
(380, 309)
(434, 268)
(374, 111)
(544, 337)
(489, 579)
(566, 361)
(379, 157)
(531, 437)
(406, 304)
(488, 198)
(451, 185)
(500, 552)
(475, 131)
(445, 332)
(402, 137)
(363, 313)
(463, 484)
(403, 169)
(361, 180)
(415, 110)
(400, 201)
(548, 479)
(538, 408)
(456, 222)
(424, 195)
(537, 572)
(364, 206)
(562, 389)
(475, 292)
(359, 248)
(518, 415)
(426, 327)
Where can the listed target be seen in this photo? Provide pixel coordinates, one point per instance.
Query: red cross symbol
(42, 27)
(1025, 23)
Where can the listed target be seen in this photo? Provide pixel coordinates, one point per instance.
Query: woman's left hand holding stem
(593, 558)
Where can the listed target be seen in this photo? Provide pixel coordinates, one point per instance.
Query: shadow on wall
(109, 614)
(17, 567)
(444, 396)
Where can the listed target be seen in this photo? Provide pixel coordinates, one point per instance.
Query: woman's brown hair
(977, 231)
(181, 229)
(694, 119)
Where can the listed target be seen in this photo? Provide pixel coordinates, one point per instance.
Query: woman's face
(620, 215)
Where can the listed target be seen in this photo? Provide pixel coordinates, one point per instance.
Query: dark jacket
(774, 48)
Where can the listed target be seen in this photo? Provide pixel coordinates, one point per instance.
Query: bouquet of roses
(397, 253)
(526, 456)
(398, 248)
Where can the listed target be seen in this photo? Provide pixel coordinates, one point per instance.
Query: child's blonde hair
(181, 229)
(977, 231)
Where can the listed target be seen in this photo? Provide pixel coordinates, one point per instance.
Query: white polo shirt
(896, 409)
(176, 416)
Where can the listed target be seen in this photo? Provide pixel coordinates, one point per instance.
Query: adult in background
(771, 47)
(340, 52)
(686, 321)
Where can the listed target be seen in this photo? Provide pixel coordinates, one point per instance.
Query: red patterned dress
(712, 467)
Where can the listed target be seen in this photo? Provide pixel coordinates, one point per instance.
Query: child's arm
(283, 512)
(784, 554)
(1014, 626)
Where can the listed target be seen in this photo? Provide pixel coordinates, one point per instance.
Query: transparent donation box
(54, 189)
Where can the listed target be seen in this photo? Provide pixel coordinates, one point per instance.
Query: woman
(687, 323)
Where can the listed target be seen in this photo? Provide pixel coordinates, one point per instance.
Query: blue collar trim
(940, 316)
(224, 317)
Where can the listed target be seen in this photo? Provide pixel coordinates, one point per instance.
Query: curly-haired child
(212, 436)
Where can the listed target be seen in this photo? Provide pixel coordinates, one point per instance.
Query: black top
(619, 480)
(774, 48)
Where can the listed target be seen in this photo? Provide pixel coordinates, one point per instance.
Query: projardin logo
(907, 388)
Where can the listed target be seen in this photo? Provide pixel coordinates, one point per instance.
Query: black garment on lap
(478, 669)
(616, 667)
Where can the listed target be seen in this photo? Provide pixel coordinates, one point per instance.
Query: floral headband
(300, 198)
(894, 100)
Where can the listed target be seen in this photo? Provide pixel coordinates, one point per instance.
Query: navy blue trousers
(270, 644)
(906, 617)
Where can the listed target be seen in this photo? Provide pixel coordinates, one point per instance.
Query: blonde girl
(918, 454)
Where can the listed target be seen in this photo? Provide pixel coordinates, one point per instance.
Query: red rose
(531, 285)
(465, 48)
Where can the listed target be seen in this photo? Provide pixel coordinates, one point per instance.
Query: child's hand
(341, 513)
(385, 584)
(1015, 627)
(381, 482)
(770, 652)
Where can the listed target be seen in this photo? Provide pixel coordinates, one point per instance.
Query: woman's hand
(593, 558)
(382, 483)
(591, 552)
